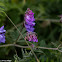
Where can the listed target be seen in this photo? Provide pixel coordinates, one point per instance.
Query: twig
(7, 45)
(51, 20)
(48, 48)
(23, 37)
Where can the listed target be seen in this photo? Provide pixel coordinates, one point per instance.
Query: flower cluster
(29, 23)
(31, 36)
(2, 34)
(29, 20)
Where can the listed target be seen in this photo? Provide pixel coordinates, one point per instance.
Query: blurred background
(48, 29)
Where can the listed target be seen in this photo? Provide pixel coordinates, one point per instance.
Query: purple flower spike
(29, 20)
(29, 23)
(2, 34)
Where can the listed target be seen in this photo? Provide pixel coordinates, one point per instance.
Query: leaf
(42, 43)
(47, 60)
(42, 60)
(2, 8)
(52, 60)
(13, 35)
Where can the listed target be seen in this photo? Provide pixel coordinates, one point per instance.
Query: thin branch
(23, 37)
(21, 46)
(7, 45)
(51, 20)
(48, 48)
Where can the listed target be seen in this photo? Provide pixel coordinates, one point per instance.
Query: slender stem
(6, 45)
(51, 20)
(16, 45)
(48, 48)
(26, 46)
(23, 38)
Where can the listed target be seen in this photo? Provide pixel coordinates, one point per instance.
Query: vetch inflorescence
(29, 25)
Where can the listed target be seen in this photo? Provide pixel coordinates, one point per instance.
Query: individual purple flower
(29, 25)
(2, 34)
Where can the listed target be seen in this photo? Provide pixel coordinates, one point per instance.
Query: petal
(27, 17)
(27, 26)
(32, 19)
(30, 23)
(2, 38)
(37, 40)
(2, 28)
(3, 31)
(30, 29)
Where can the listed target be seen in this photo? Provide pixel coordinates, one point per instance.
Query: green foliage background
(49, 32)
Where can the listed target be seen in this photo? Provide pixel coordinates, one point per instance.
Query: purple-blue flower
(29, 20)
(29, 25)
(2, 35)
